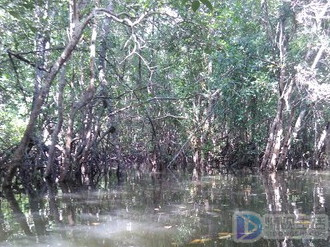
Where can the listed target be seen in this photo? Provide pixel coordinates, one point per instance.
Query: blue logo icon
(247, 226)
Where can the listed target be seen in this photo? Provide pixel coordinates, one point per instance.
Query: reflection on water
(172, 211)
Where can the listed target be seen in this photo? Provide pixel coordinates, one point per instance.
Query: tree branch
(21, 58)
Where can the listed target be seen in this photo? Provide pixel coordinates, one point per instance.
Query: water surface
(168, 211)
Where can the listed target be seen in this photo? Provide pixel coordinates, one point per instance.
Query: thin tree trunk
(274, 146)
(86, 97)
(323, 147)
(286, 142)
(50, 169)
(108, 105)
(269, 159)
(291, 135)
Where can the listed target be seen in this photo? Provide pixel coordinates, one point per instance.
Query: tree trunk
(322, 152)
(270, 157)
(51, 154)
(36, 109)
(274, 146)
(85, 98)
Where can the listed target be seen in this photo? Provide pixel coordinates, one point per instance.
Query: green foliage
(160, 74)
(195, 4)
(208, 4)
(11, 128)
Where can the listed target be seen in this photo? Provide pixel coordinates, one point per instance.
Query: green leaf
(208, 4)
(207, 50)
(27, 5)
(184, 2)
(195, 5)
(14, 14)
(32, 28)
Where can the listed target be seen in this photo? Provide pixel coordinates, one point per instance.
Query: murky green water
(172, 211)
